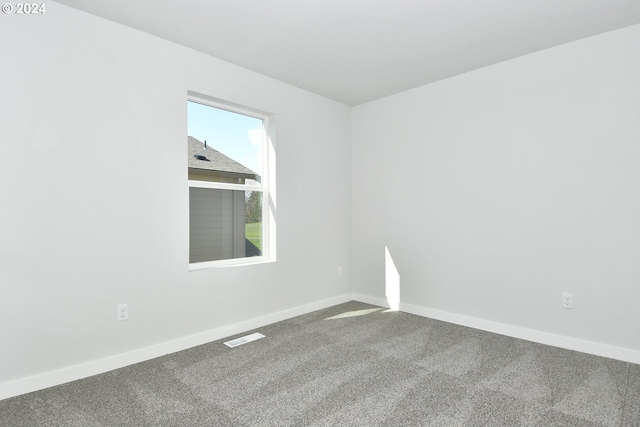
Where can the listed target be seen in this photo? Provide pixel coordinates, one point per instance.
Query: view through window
(226, 186)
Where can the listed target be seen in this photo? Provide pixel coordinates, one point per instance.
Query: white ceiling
(355, 51)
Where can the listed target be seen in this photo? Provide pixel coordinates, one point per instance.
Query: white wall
(498, 190)
(93, 183)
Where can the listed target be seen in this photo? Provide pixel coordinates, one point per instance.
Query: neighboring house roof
(215, 161)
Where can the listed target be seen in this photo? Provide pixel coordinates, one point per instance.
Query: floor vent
(244, 340)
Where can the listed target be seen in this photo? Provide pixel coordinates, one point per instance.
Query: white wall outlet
(567, 300)
(123, 312)
(340, 271)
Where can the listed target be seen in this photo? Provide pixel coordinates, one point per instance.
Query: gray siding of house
(216, 224)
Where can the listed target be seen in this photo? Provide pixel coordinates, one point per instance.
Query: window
(227, 151)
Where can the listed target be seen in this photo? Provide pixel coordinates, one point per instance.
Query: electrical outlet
(123, 312)
(567, 301)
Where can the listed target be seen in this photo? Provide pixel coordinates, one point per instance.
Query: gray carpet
(349, 365)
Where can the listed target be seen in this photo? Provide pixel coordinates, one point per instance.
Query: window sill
(238, 262)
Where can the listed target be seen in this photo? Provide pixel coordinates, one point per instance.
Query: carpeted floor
(349, 365)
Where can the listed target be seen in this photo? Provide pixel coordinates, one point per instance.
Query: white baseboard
(368, 299)
(590, 347)
(95, 367)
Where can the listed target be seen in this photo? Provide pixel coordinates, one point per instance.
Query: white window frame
(268, 215)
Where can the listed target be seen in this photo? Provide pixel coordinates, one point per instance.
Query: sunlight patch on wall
(391, 281)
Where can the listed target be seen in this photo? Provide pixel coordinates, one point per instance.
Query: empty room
(329, 213)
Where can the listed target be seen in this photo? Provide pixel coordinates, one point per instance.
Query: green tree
(254, 207)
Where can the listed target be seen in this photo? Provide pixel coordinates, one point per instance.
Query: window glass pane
(223, 146)
(224, 224)
(253, 222)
